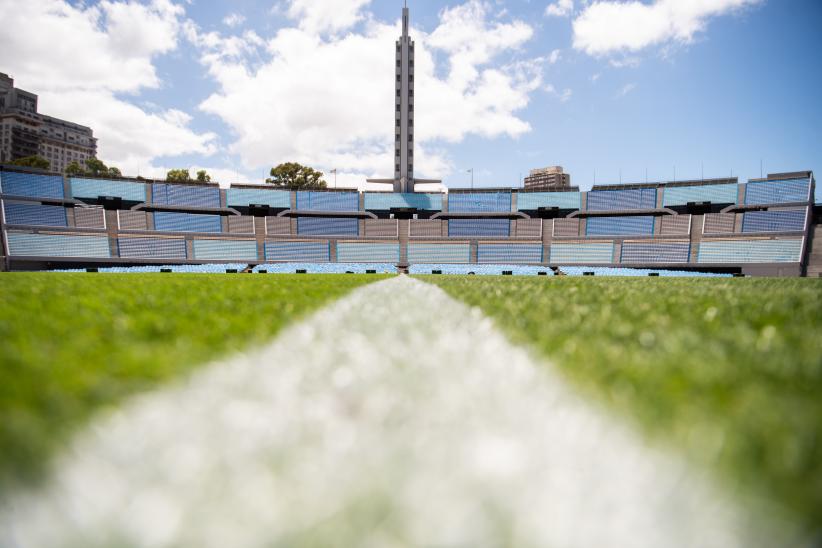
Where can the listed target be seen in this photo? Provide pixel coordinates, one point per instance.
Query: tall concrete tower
(404, 111)
(404, 180)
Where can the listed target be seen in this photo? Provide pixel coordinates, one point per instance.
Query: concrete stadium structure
(766, 227)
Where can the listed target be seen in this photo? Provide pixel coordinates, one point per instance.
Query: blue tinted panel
(31, 185)
(750, 251)
(439, 253)
(185, 195)
(639, 252)
(773, 221)
(54, 245)
(479, 228)
(231, 250)
(489, 202)
(328, 201)
(94, 188)
(509, 253)
(530, 201)
(777, 192)
(297, 251)
(716, 194)
(324, 226)
(616, 200)
(35, 215)
(582, 253)
(368, 252)
(243, 197)
(620, 226)
(384, 201)
(166, 221)
(152, 248)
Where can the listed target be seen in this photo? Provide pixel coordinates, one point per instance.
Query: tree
(94, 168)
(203, 176)
(74, 169)
(32, 161)
(295, 176)
(178, 176)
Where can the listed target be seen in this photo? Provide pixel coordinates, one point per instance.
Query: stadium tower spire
(404, 111)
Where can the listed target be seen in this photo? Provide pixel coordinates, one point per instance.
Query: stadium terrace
(765, 227)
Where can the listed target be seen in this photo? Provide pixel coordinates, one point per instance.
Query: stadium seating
(774, 221)
(479, 228)
(618, 200)
(620, 226)
(480, 269)
(607, 226)
(509, 253)
(325, 226)
(479, 202)
(84, 189)
(367, 252)
(777, 192)
(57, 245)
(167, 221)
(185, 195)
(750, 251)
(655, 252)
(152, 248)
(716, 194)
(585, 253)
(627, 272)
(328, 201)
(532, 201)
(244, 197)
(29, 214)
(330, 268)
(31, 185)
(385, 201)
(297, 252)
(422, 253)
(220, 250)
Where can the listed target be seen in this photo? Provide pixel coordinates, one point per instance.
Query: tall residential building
(25, 132)
(404, 180)
(548, 178)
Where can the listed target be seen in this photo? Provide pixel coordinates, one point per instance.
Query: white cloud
(318, 16)
(554, 56)
(608, 27)
(78, 58)
(233, 20)
(329, 101)
(560, 8)
(626, 89)
(595, 77)
(564, 96)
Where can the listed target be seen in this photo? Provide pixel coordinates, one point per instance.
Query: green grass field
(730, 371)
(75, 343)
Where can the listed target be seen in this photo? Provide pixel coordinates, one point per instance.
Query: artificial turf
(728, 370)
(75, 343)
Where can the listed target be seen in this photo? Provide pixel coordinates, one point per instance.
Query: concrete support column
(259, 236)
(333, 251)
(113, 232)
(697, 224)
(473, 252)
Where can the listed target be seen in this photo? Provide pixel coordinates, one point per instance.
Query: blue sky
(602, 88)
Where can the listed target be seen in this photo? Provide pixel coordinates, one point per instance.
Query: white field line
(394, 417)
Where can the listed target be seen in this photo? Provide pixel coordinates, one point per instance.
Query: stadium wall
(765, 228)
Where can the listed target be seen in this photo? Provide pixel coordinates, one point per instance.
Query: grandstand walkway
(394, 417)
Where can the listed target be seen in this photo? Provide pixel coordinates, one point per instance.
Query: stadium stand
(763, 227)
(480, 269)
(92, 189)
(620, 226)
(621, 200)
(625, 272)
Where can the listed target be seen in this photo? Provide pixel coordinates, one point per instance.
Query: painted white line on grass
(394, 417)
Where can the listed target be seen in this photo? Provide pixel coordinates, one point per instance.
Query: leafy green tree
(75, 169)
(32, 161)
(203, 176)
(94, 168)
(178, 175)
(296, 176)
